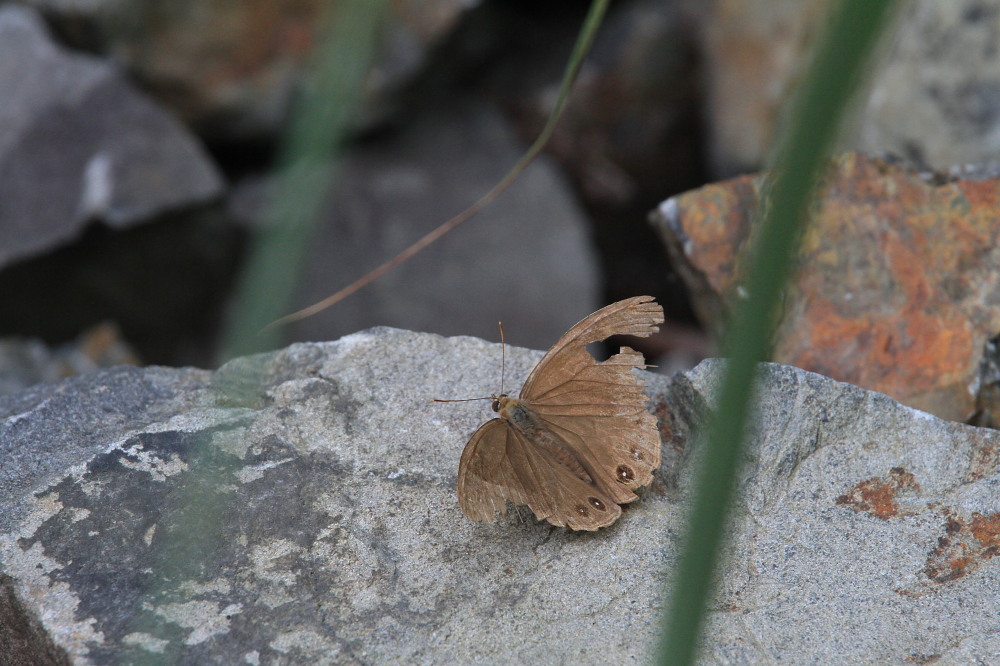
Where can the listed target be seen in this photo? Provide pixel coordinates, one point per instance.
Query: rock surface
(936, 97)
(754, 54)
(79, 143)
(932, 94)
(300, 506)
(897, 286)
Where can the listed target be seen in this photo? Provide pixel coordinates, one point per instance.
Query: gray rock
(78, 143)
(936, 96)
(299, 506)
(526, 259)
(931, 91)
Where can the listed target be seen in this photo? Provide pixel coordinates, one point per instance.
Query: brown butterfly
(578, 441)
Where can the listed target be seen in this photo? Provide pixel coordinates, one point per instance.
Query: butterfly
(578, 440)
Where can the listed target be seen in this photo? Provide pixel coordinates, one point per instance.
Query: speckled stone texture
(300, 507)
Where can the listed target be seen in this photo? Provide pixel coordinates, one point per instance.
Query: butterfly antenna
(503, 363)
(503, 357)
(461, 399)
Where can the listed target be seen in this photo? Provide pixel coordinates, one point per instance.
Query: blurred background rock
(138, 139)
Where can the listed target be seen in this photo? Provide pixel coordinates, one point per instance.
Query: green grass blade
(839, 61)
(306, 169)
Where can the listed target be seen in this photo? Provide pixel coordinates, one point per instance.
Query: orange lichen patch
(706, 238)
(985, 460)
(666, 424)
(886, 296)
(875, 317)
(981, 193)
(717, 223)
(877, 495)
(986, 529)
(965, 545)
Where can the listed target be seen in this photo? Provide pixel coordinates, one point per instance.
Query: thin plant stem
(586, 37)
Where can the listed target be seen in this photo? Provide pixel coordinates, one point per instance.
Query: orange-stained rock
(233, 68)
(898, 285)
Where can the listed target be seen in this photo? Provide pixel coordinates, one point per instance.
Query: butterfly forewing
(637, 316)
(602, 416)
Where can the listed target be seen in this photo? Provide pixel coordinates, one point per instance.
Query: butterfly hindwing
(499, 464)
(486, 478)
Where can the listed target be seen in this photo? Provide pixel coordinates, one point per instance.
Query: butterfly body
(578, 440)
(515, 412)
(518, 415)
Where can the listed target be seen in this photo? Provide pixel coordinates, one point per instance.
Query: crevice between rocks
(23, 640)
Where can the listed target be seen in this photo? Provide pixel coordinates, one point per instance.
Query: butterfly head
(498, 401)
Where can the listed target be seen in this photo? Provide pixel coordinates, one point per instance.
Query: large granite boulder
(300, 507)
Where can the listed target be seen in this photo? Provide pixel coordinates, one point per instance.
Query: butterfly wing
(486, 477)
(598, 409)
(499, 464)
